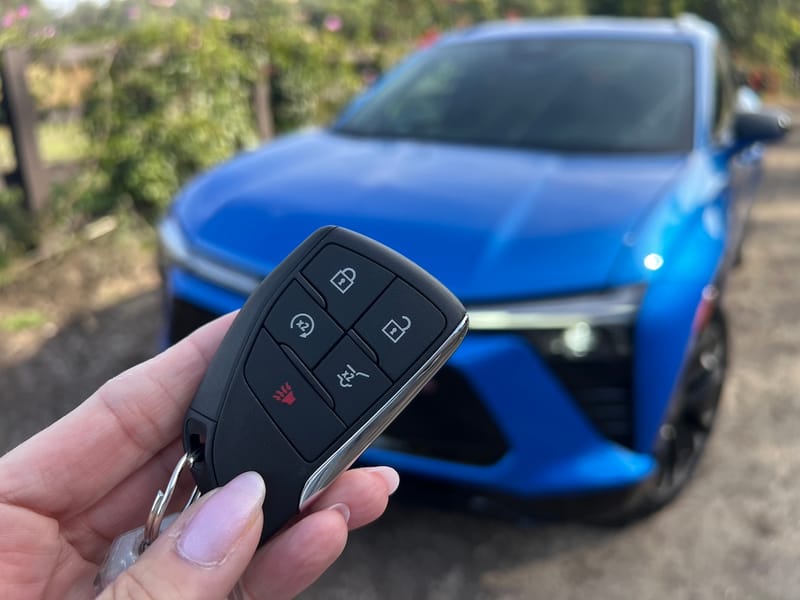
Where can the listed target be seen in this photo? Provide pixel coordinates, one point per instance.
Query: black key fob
(324, 355)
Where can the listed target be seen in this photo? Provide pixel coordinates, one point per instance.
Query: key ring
(161, 502)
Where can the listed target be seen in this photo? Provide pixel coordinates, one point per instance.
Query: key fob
(325, 354)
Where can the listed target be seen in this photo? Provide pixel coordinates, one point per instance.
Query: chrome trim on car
(352, 448)
(618, 306)
(176, 250)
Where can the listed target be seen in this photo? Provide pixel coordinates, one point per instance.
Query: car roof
(685, 28)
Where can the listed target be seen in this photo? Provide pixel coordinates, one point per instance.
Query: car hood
(489, 223)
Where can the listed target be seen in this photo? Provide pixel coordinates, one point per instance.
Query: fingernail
(218, 525)
(342, 509)
(389, 475)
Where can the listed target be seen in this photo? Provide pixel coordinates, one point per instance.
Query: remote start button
(299, 322)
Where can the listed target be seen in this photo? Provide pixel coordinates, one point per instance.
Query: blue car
(583, 187)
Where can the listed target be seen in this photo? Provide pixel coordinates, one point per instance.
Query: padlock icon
(394, 331)
(344, 279)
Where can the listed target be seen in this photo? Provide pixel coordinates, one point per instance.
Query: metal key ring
(161, 502)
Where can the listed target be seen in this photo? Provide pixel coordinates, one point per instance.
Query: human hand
(66, 493)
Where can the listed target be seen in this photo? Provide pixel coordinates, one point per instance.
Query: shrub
(176, 100)
(17, 229)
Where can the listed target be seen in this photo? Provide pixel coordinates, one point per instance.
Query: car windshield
(569, 95)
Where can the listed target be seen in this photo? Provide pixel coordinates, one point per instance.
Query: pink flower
(428, 38)
(220, 13)
(332, 23)
(8, 19)
(24, 11)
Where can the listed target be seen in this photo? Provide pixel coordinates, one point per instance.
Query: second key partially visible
(328, 350)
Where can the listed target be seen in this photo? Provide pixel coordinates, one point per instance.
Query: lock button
(399, 327)
(348, 281)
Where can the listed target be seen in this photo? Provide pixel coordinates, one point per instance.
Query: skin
(66, 493)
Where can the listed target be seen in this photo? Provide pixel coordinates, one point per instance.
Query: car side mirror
(763, 125)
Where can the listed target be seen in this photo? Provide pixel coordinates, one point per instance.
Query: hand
(66, 493)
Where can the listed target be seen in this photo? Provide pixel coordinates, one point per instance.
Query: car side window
(724, 95)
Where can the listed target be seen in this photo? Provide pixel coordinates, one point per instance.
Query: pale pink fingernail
(389, 475)
(342, 509)
(215, 529)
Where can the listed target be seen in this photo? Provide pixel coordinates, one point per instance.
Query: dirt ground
(734, 533)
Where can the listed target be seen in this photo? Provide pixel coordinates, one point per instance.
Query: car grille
(447, 420)
(602, 390)
(185, 318)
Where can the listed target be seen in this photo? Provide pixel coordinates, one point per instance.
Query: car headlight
(586, 341)
(175, 251)
(586, 327)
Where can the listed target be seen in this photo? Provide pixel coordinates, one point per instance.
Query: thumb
(205, 552)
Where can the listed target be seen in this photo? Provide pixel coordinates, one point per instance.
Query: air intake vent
(448, 421)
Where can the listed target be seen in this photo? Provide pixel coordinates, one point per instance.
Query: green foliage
(175, 102)
(177, 99)
(84, 196)
(18, 231)
(369, 21)
(22, 320)
(312, 75)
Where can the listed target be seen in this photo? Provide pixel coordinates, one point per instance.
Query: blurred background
(110, 108)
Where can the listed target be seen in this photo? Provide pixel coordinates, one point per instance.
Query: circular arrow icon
(303, 324)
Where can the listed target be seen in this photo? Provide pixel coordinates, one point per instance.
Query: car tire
(683, 437)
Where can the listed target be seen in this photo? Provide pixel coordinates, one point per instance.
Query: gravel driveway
(734, 532)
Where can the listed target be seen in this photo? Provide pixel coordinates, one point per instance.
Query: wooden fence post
(262, 104)
(21, 116)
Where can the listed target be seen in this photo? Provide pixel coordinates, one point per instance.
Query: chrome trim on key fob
(345, 456)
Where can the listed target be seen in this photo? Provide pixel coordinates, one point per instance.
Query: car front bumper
(549, 448)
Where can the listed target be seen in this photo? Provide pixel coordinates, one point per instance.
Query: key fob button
(400, 326)
(299, 322)
(300, 413)
(354, 381)
(247, 440)
(348, 281)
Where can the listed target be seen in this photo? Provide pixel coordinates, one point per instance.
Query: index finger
(76, 461)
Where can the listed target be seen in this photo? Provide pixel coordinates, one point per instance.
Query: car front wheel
(683, 437)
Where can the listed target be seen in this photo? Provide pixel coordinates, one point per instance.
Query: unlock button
(400, 326)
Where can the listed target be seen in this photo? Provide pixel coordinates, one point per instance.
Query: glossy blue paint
(493, 207)
(553, 448)
(689, 230)
(500, 224)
